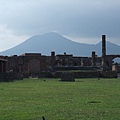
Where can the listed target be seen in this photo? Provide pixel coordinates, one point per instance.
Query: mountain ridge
(51, 41)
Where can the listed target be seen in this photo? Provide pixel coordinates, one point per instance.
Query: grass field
(85, 99)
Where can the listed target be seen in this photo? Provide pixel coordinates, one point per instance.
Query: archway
(111, 60)
(116, 60)
(116, 64)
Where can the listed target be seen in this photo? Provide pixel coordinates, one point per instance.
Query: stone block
(67, 77)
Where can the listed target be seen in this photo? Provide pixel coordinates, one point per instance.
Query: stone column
(82, 62)
(2, 66)
(103, 50)
(93, 58)
(52, 54)
(52, 58)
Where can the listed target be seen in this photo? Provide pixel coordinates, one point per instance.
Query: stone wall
(9, 77)
(45, 75)
(67, 77)
(82, 74)
(109, 74)
(27, 64)
(66, 68)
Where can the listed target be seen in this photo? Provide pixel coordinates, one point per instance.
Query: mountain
(111, 48)
(51, 41)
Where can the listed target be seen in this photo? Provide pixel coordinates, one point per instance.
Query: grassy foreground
(85, 99)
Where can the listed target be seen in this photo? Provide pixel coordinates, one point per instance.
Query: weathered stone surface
(9, 77)
(67, 76)
(109, 74)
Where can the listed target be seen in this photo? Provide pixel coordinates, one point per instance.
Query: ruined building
(35, 64)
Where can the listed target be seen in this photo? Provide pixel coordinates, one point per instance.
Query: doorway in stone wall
(34, 68)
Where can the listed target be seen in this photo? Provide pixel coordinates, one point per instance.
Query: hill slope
(48, 42)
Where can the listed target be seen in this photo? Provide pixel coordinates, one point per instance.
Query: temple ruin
(36, 64)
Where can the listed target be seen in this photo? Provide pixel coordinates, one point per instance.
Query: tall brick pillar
(52, 58)
(104, 50)
(93, 58)
(104, 66)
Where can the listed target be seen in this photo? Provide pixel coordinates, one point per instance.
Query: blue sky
(80, 20)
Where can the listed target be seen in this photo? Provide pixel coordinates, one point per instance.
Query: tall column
(93, 58)
(103, 50)
(2, 66)
(52, 58)
(82, 62)
(53, 54)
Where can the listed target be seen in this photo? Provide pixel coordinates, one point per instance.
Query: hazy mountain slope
(111, 48)
(48, 42)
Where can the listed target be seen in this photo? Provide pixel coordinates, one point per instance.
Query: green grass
(85, 99)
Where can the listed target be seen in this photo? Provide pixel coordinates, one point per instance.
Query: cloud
(8, 39)
(85, 18)
(82, 20)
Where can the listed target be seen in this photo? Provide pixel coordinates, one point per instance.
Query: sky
(83, 21)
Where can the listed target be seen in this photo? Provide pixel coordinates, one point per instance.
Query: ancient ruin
(35, 64)
(67, 77)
